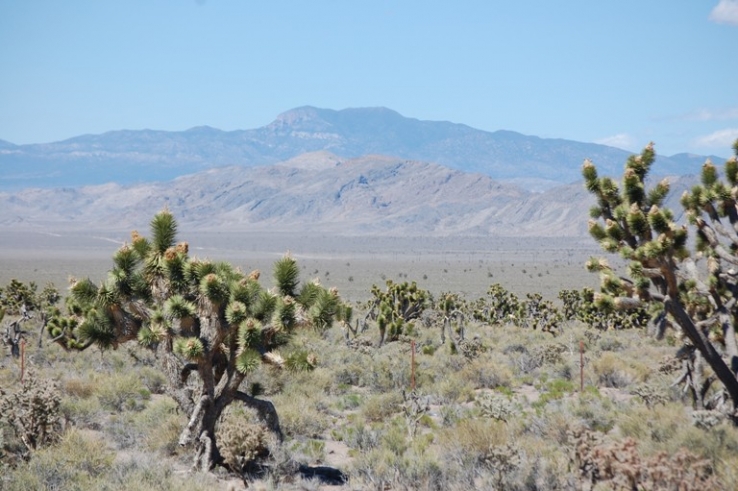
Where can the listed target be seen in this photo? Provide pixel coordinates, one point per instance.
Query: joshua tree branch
(706, 349)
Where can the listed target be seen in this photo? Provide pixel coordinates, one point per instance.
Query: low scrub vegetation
(509, 415)
(407, 390)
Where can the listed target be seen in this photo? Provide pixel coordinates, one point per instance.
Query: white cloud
(621, 140)
(702, 114)
(719, 139)
(725, 12)
(708, 115)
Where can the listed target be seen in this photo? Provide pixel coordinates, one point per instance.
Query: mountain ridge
(138, 156)
(317, 192)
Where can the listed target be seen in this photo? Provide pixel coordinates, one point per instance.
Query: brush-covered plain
(508, 414)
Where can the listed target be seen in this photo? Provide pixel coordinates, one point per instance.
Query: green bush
(124, 391)
(381, 407)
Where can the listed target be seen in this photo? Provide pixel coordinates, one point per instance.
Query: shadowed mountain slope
(317, 192)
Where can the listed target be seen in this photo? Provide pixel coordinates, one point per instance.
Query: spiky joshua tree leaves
(200, 317)
(396, 307)
(664, 271)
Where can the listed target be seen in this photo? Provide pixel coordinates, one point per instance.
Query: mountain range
(349, 172)
(127, 157)
(316, 193)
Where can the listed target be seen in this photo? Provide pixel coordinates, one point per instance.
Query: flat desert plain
(466, 265)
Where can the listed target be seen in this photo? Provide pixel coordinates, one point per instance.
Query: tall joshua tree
(663, 270)
(199, 317)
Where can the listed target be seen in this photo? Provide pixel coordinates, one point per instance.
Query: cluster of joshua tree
(214, 321)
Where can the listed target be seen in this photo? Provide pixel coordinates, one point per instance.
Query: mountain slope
(314, 193)
(142, 156)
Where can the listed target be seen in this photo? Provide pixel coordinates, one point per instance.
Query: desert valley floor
(467, 265)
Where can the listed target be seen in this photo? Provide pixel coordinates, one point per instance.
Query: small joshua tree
(396, 307)
(502, 306)
(662, 271)
(580, 305)
(200, 317)
(24, 300)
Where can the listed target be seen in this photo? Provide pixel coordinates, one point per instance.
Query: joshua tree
(24, 300)
(663, 270)
(581, 305)
(201, 318)
(396, 307)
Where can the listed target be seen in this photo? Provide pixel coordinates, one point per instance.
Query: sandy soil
(466, 265)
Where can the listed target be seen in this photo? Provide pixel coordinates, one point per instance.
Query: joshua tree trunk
(702, 302)
(706, 349)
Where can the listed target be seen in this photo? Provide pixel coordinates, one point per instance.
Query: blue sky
(618, 72)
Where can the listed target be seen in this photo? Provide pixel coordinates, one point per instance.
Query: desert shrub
(450, 414)
(596, 412)
(304, 402)
(541, 470)
(360, 437)
(487, 373)
(118, 428)
(496, 406)
(611, 343)
(715, 444)
(454, 389)
(619, 465)
(82, 412)
(612, 371)
(552, 424)
(376, 468)
(152, 379)
(423, 472)
(727, 469)
(319, 381)
(309, 449)
(553, 390)
(394, 438)
(162, 425)
(156, 427)
(74, 463)
(478, 454)
(380, 407)
(565, 370)
(652, 427)
(390, 371)
(522, 361)
(650, 394)
(707, 419)
(301, 418)
(349, 402)
(549, 353)
(469, 441)
(350, 374)
(32, 411)
(122, 391)
(79, 387)
(266, 380)
(142, 474)
(380, 469)
(243, 441)
(81, 461)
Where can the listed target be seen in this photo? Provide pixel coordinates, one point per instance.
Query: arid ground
(467, 265)
(504, 410)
